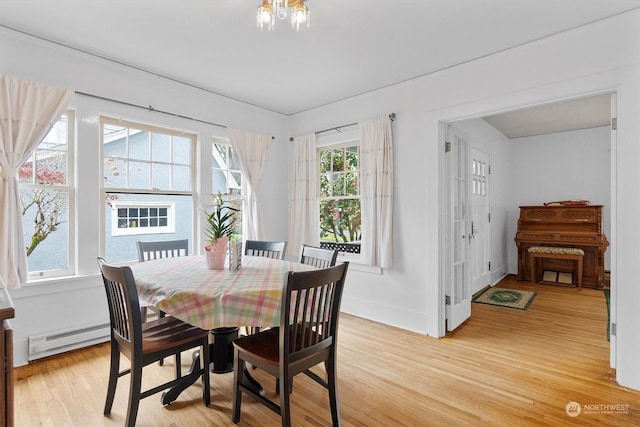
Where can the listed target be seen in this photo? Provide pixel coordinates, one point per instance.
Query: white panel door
(458, 308)
(480, 245)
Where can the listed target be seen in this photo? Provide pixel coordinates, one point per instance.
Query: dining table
(184, 287)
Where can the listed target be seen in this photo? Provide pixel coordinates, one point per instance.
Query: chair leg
(238, 373)
(290, 386)
(178, 365)
(134, 393)
(206, 384)
(160, 316)
(285, 408)
(333, 391)
(114, 369)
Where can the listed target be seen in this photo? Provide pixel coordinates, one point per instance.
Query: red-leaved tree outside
(47, 205)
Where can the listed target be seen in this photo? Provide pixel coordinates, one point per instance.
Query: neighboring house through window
(148, 186)
(142, 218)
(45, 181)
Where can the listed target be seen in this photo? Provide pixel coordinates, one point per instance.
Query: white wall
(561, 166)
(565, 66)
(65, 304)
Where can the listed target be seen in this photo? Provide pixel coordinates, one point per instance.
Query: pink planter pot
(217, 254)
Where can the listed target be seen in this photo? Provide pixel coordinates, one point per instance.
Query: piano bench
(554, 252)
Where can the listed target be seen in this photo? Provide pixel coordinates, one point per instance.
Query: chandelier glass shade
(270, 9)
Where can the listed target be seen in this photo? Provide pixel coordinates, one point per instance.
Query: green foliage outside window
(340, 216)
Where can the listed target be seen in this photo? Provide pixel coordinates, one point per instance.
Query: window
(141, 218)
(148, 189)
(45, 181)
(340, 217)
(227, 178)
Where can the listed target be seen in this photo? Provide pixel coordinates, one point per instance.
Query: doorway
(542, 151)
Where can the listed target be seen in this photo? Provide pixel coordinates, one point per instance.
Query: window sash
(174, 169)
(228, 168)
(164, 162)
(63, 145)
(347, 251)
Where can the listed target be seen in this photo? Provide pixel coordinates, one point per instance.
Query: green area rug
(511, 298)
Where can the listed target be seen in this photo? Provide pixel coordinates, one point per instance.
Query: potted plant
(219, 226)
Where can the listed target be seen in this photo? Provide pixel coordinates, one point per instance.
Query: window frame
(227, 171)
(69, 187)
(105, 191)
(235, 195)
(345, 256)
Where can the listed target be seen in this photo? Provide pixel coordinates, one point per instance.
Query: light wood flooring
(503, 367)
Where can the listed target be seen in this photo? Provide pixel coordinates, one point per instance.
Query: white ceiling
(583, 113)
(352, 47)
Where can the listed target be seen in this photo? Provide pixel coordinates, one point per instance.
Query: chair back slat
(324, 305)
(262, 248)
(121, 319)
(318, 257)
(313, 301)
(162, 249)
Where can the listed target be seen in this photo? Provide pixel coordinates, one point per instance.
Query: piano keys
(578, 226)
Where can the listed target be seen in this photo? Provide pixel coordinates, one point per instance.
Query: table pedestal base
(222, 349)
(221, 356)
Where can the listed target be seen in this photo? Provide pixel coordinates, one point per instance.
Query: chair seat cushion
(265, 344)
(167, 332)
(555, 250)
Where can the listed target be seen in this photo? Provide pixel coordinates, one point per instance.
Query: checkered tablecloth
(183, 287)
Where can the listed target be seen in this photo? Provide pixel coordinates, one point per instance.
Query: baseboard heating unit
(59, 342)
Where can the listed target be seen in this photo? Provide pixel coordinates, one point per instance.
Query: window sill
(56, 285)
(355, 264)
(365, 268)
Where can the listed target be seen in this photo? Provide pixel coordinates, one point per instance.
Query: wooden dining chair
(307, 336)
(162, 249)
(151, 250)
(318, 257)
(145, 343)
(267, 249)
(263, 248)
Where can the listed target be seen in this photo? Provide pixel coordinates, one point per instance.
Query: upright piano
(574, 226)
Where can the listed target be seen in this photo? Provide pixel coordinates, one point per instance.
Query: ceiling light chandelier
(269, 9)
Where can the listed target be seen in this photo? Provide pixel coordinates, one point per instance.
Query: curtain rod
(150, 108)
(392, 117)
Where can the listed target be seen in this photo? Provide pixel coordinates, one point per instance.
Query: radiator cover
(59, 342)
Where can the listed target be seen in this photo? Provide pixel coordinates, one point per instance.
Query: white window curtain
(28, 111)
(251, 149)
(303, 209)
(376, 168)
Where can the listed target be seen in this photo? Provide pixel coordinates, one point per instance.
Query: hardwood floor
(503, 367)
